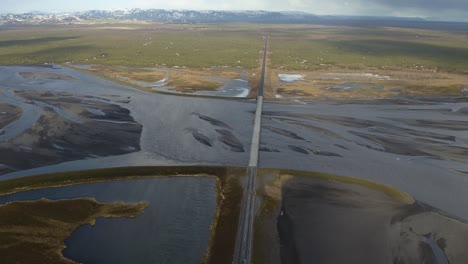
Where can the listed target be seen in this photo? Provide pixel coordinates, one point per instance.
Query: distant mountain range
(177, 16)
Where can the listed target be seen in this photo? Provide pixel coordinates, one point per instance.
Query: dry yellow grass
(34, 231)
(378, 83)
(182, 79)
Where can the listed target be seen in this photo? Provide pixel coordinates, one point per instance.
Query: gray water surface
(166, 121)
(175, 228)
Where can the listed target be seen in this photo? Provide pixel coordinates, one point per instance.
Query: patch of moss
(34, 231)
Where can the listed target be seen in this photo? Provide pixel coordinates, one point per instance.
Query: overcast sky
(441, 9)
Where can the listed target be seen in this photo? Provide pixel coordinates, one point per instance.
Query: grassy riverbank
(224, 227)
(34, 231)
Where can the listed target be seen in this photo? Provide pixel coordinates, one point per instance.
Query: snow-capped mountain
(33, 18)
(188, 16)
(157, 15)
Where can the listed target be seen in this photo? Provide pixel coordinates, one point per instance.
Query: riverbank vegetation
(224, 227)
(378, 62)
(34, 231)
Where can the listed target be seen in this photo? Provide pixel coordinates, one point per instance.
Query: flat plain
(369, 62)
(392, 115)
(333, 61)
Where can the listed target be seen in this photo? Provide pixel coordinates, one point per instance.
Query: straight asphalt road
(243, 250)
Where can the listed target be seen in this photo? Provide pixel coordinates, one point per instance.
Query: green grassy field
(415, 62)
(311, 48)
(292, 47)
(132, 46)
(403, 61)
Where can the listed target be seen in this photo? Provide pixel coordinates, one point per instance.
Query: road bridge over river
(242, 254)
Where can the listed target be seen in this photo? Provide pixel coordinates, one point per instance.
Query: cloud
(440, 9)
(447, 9)
(424, 4)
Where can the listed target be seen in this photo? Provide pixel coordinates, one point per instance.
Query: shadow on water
(285, 227)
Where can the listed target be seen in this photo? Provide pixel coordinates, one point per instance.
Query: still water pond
(175, 228)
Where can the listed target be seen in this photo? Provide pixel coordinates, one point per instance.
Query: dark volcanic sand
(417, 145)
(70, 128)
(8, 114)
(383, 136)
(167, 121)
(324, 221)
(314, 218)
(377, 140)
(44, 76)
